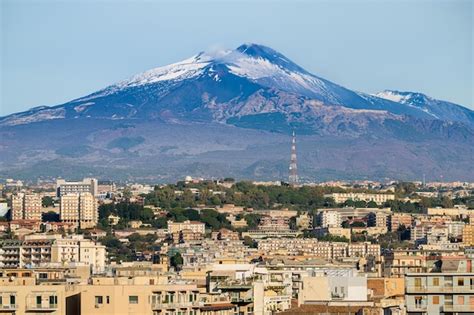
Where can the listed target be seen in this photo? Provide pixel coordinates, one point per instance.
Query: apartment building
(455, 228)
(324, 250)
(348, 213)
(398, 219)
(26, 206)
(379, 199)
(79, 209)
(458, 211)
(468, 235)
(439, 293)
(378, 219)
(40, 250)
(22, 293)
(330, 218)
(274, 223)
(344, 290)
(87, 185)
(194, 226)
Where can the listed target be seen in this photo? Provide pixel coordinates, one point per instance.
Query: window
(12, 300)
(436, 300)
(418, 301)
(108, 299)
(53, 300)
(436, 282)
(461, 282)
(133, 299)
(418, 282)
(99, 299)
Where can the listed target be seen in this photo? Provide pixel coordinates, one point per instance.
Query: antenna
(293, 177)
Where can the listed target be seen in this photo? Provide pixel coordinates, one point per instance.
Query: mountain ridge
(252, 90)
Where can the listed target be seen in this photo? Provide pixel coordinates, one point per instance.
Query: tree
(447, 202)
(357, 224)
(248, 241)
(47, 201)
(372, 204)
(50, 216)
(176, 261)
(253, 220)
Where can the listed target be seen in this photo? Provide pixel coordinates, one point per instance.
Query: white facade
(330, 218)
(87, 185)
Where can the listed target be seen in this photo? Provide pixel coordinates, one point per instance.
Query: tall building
(26, 207)
(79, 209)
(468, 235)
(89, 185)
(330, 218)
(293, 178)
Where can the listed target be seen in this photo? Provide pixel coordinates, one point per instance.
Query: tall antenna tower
(293, 177)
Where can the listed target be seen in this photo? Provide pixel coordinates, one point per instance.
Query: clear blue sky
(54, 51)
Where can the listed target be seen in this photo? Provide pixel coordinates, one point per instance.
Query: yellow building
(79, 209)
(26, 207)
(468, 235)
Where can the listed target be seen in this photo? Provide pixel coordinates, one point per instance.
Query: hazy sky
(54, 51)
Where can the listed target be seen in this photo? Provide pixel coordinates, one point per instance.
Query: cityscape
(236, 181)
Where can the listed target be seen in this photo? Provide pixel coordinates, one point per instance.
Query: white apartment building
(79, 209)
(330, 218)
(377, 198)
(39, 250)
(26, 206)
(87, 185)
(325, 250)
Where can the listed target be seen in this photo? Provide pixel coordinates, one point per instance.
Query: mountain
(436, 108)
(230, 113)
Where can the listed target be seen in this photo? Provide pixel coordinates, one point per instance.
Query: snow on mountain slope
(199, 86)
(439, 109)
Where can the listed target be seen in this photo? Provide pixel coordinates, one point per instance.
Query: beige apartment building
(21, 292)
(79, 209)
(38, 250)
(26, 206)
(194, 226)
(398, 219)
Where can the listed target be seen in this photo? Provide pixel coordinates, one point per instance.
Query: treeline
(243, 194)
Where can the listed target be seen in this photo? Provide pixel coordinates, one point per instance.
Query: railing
(175, 305)
(9, 307)
(241, 300)
(458, 308)
(416, 307)
(440, 289)
(41, 307)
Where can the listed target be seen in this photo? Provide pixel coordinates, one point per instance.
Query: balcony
(459, 308)
(241, 299)
(8, 307)
(417, 307)
(42, 301)
(175, 305)
(42, 307)
(440, 289)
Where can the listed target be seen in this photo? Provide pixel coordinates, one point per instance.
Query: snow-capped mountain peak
(228, 80)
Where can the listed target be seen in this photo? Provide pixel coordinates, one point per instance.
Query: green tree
(176, 261)
(47, 201)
